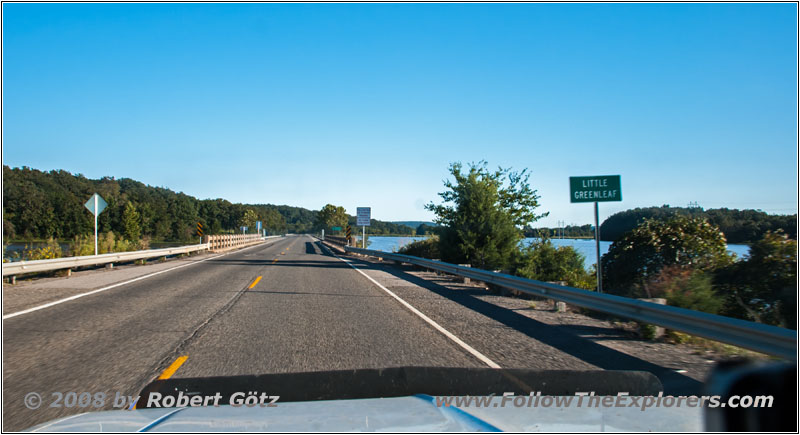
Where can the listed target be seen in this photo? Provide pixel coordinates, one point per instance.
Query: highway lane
(312, 312)
(117, 340)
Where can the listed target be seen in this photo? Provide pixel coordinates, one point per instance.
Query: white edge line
(72, 298)
(419, 313)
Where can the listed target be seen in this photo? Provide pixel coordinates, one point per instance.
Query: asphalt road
(288, 306)
(307, 312)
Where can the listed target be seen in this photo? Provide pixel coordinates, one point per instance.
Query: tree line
(50, 204)
(739, 226)
(578, 231)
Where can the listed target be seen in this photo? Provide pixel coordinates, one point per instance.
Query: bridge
(288, 304)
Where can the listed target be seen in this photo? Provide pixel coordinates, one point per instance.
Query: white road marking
(72, 298)
(419, 313)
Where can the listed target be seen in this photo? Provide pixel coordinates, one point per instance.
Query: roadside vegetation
(482, 221)
(682, 258)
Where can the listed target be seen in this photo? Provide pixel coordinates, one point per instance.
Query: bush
(686, 288)
(763, 287)
(82, 245)
(543, 261)
(49, 250)
(106, 243)
(428, 248)
(640, 255)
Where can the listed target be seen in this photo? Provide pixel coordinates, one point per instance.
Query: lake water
(585, 247)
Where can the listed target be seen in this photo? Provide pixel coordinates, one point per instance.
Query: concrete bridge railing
(224, 242)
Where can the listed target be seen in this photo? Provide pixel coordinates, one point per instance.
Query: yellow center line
(255, 282)
(173, 368)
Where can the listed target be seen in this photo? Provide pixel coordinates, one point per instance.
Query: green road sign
(336, 228)
(599, 188)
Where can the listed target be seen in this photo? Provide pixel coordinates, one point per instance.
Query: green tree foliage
(425, 229)
(482, 214)
(739, 226)
(543, 261)
(332, 216)
(686, 288)
(248, 219)
(377, 228)
(638, 256)
(763, 287)
(569, 231)
(40, 205)
(130, 222)
(427, 248)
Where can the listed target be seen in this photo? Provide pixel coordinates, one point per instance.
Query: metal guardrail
(767, 339)
(342, 241)
(20, 267)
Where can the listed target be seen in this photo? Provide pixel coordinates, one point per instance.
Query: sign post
(96, 205)
(363, 215)
(598, 188)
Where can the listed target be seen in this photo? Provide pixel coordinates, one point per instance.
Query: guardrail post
(648, 330)
(464, 279)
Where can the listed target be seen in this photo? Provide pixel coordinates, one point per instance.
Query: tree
(763, 287)
(130, 221)
(332, 216)
(482, 215)
(639, 255)
(248, 219)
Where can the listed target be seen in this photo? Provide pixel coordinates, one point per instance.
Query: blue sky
(366, 105)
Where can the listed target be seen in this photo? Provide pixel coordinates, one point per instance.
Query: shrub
(427, 248)
(638, 257)
(763, 287)
(49, 250)
(686, 288)
(82, 245)
(106, 243)
(545, 262)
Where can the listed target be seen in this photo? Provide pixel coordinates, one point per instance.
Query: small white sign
(363, 216)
